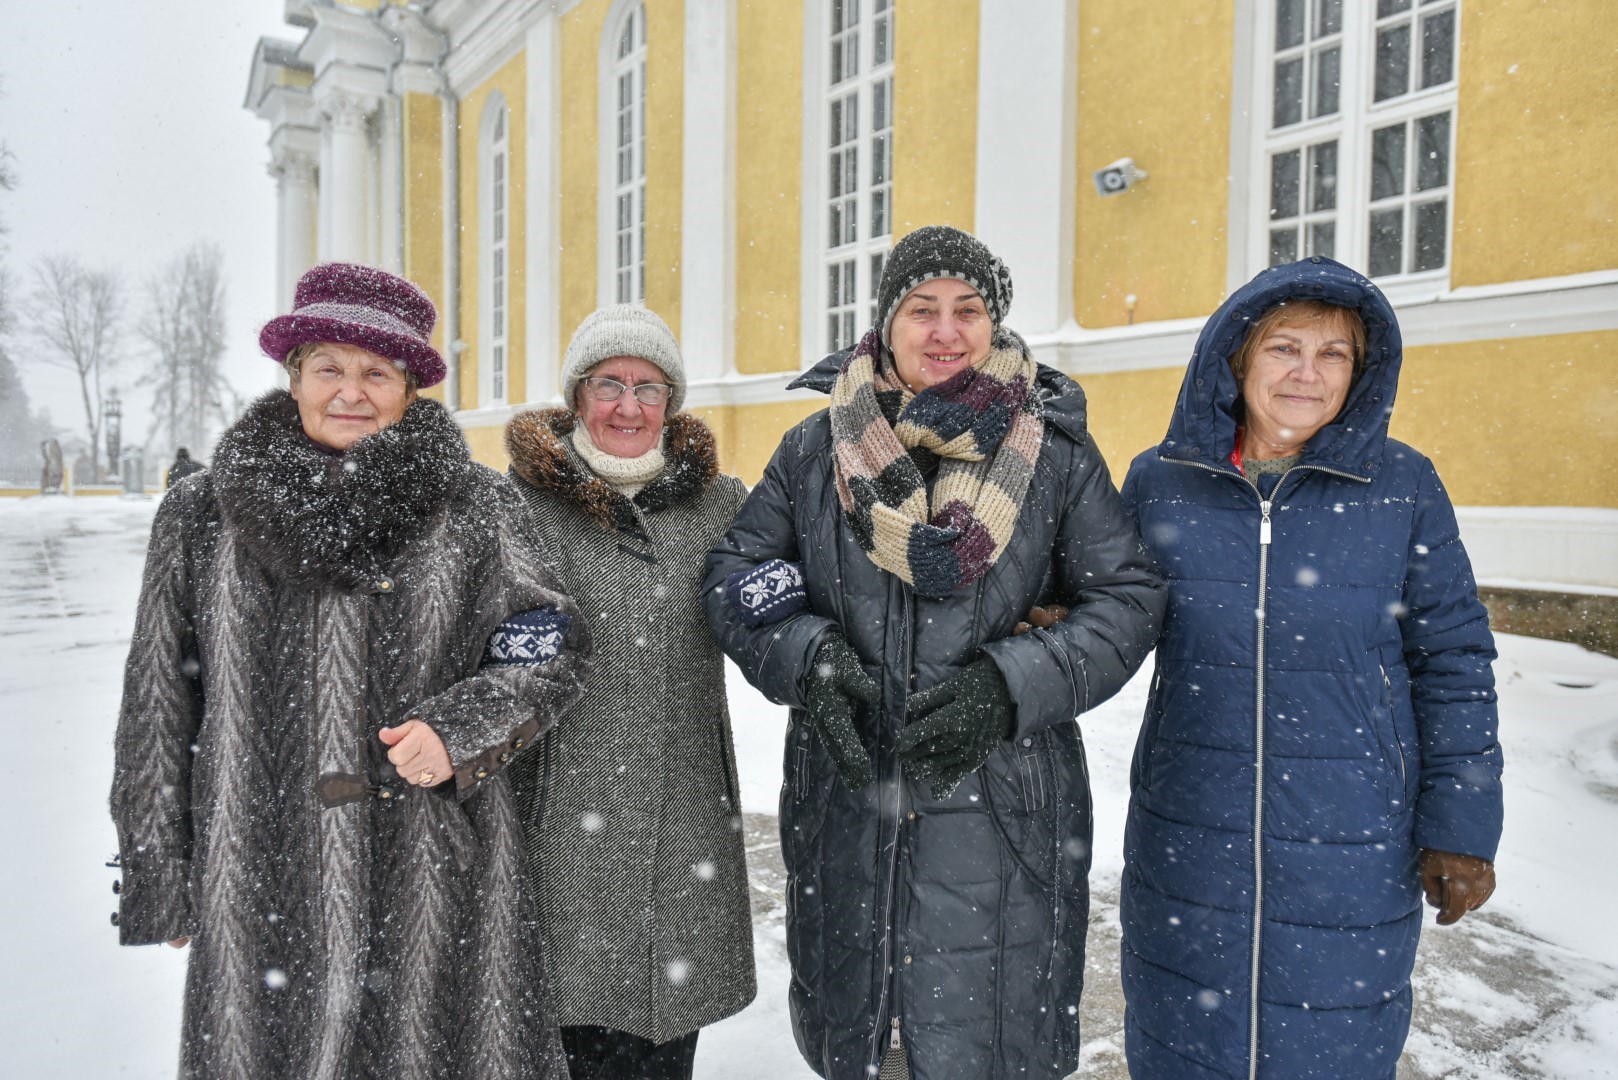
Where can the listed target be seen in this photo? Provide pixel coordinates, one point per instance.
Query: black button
(117, 887)
(115, 918)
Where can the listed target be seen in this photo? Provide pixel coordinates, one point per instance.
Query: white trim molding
(708, 210)
(543, 310)
(1541, 546)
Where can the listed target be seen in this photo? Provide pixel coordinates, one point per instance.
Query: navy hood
(1203, 429)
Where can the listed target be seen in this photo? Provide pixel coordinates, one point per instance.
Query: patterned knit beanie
(623, 330)
(940, 251)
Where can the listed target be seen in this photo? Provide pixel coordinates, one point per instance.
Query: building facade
(742, 166)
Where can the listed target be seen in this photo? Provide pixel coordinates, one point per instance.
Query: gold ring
(425, 779)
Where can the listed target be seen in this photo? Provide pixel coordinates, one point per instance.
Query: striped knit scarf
(984, 423)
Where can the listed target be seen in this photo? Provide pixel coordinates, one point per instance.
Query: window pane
(1392, 62)
(1387, 241)
(1328, 77)
(1288, 23)
(834, 222)
(1438, 48)
(1284, 185)
(1430, 221)
(879, 213)
(1328, 17)
(1283, 246)
(1432, 152)
(1288, 92)
(1387, 162)
(879, 160)
(838, 20)
(879, 44)
(1323, 176)
(1323, 239)
(876, 271)
(1385, 8)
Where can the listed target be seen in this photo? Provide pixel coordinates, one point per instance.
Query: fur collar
(537, 442)
(305, 513)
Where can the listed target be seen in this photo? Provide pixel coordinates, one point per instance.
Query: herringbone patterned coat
(630, 802)
(343, 923)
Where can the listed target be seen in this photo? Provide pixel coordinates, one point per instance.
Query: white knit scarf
(627, 475)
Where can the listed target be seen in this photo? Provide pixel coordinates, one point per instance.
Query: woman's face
(345, 393)
(941, 328)
(1297, 380)
(625, 427)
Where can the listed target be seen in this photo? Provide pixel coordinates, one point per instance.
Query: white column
(1027, 114)
(543, 297)
(707, 213)
(295, 185)
(345, 218)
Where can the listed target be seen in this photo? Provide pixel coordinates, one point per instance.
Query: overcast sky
(130, 142)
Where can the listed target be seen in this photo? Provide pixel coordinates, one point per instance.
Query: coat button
(384, 584)
(1028, 742)
(115, 918)
(907, 959)
(117, 887)
(385, 794)
(504, 758)
(516, 744)
(482, 774)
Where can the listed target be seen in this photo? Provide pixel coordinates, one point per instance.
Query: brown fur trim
(540, 455)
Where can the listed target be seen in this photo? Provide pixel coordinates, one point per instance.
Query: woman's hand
(1455, 884)
(179, 943)
(1041, 617)
(417, 753)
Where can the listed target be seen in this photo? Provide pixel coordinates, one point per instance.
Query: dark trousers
(598, 1053)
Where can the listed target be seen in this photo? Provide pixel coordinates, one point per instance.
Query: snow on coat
(1322, 708)
(630, 802)
(955, 925)
(344, 923)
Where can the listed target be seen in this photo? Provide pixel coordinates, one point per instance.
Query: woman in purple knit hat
(345, 632)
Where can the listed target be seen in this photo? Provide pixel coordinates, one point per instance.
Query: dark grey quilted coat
(630, 802)
(343, 924)
(956, 926)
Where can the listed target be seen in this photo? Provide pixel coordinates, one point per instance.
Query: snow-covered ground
(1526, 988)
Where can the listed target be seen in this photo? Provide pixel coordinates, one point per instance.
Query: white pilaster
(345, 146)
(707, 213)
(1027, 115)
(543, 298)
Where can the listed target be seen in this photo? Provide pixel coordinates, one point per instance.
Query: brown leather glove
(1455, 884)
(1042, 617)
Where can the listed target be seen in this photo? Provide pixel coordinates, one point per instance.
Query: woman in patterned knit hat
(344, 634)
(630, 802)
(936, 814)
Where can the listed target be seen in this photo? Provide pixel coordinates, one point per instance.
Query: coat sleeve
(1448, 650)
(1117, 599)
(774, 657)
(485, 718)
(158, 723)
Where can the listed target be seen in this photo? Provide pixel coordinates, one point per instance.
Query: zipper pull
(894, 1043)
(1264, 525)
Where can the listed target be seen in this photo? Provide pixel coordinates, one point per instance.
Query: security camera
(1118, 177)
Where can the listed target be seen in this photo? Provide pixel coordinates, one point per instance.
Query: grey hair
(294, 364)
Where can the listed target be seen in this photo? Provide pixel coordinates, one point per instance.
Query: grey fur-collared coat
(631, 802)
(343, 923)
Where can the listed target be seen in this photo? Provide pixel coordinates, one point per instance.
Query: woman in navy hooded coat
(1319, 746)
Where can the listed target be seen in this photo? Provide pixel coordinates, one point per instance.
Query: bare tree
(184, 326)
(76, 318)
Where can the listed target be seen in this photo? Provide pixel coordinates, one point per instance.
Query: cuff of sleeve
(154, 902)
(473, 772)
(1045, 690)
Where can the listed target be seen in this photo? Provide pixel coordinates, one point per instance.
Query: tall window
(628, 150)
(496, 229)
(858, 147)
(1360, 103)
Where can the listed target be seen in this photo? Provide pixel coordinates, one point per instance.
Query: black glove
(836, 682)
(951, 728)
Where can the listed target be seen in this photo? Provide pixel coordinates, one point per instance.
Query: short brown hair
(1301, 313)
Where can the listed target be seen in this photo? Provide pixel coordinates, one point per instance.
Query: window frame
(1352, 128)
(494, 252)
(612, 67)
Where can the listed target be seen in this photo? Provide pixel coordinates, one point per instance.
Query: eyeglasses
(647, 393)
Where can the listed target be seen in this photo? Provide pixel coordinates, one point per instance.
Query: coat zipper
(1398, 749)
(889, 987)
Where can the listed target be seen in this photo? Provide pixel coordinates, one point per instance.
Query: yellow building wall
(511, 81)
(1517, 422)
(1129, 411)
(747, 435)
(488, 446)
(424, 201)
(665, 154)
(1154, 85)
(769, 188)
(935, 117)
(1536, 145)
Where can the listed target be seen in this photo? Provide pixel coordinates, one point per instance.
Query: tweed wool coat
(630, 803)
(343, 923)
(1323, 707)
(954, 927)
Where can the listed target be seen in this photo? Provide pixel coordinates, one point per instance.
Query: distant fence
(22, 479)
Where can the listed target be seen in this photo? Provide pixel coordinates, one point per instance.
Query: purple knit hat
(349, 304)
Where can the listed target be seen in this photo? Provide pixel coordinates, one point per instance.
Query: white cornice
(485, 38)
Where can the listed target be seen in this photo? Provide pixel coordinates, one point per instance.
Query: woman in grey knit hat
(630, 803)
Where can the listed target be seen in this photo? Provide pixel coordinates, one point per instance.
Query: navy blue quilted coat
(955, 926)
(1322, 709)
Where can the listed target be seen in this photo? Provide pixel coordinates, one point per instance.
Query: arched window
(494, 229)
(623, 155)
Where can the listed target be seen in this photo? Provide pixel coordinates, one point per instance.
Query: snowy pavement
(1528, 987)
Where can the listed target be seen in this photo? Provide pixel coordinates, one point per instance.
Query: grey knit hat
(623, 330)
(941, 251)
